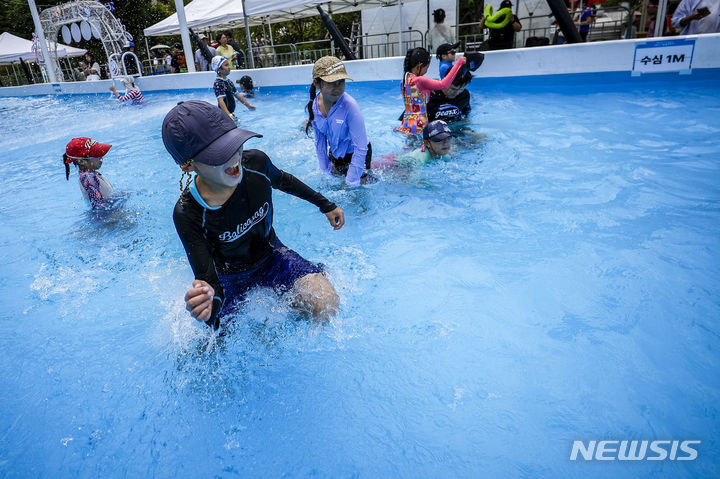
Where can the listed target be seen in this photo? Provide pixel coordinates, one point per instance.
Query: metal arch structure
(102, 22)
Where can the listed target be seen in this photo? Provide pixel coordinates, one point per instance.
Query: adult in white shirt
(201, 63)
(440, 33)
(697, 16)
(91, 68)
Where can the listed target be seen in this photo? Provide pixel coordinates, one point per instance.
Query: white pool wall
(596, 57)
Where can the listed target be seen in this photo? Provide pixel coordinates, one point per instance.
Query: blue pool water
(559, 282)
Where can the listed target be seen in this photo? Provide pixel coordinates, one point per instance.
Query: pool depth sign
(664, 56)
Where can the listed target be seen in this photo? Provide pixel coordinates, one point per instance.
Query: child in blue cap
(436, 146)
(225, 91)
(224, 217)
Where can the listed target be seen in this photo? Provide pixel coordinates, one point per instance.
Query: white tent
(70, 52)
(199, 14)
(13, 48)
(227, 13)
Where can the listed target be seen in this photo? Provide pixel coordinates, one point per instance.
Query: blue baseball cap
(196, 130)
(436, 130)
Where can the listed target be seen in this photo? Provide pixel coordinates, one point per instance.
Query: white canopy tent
(12, 48)
(199, 14)
(229, 13)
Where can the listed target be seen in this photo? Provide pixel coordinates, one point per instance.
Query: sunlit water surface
(559, 281)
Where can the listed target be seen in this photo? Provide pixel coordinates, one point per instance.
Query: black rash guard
(440, 107)
(225, 89)
(233, 237)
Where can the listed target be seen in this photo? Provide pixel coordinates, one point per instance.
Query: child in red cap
(87, 155)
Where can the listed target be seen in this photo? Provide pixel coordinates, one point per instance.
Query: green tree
(136, 15)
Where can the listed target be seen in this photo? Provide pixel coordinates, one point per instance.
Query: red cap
(79, 148)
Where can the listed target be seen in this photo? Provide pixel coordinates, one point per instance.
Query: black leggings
(341, 165)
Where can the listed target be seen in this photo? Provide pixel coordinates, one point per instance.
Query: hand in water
(336, 218)
(368, 179)
(199, 300)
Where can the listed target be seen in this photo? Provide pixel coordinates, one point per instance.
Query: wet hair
(439, 15)
(414, 57)
(309, 107)
(67, 166)
(246, 82)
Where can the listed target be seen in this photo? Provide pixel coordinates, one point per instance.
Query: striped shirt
(135, 96)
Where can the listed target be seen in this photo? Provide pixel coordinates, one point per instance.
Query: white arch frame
(112, 32)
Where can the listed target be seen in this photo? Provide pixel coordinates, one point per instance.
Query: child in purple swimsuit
(87, 154)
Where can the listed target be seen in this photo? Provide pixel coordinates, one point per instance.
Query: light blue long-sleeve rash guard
(343, 131)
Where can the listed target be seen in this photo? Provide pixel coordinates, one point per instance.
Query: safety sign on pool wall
(664, 56)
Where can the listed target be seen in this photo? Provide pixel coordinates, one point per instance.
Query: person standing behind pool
(225, 50)
(178, 62)
(586, 19)
(90, 67)
(224, 217)
(440, 33)
(697, 16)
(225, 91)
(415, 88)
(337, 123)
(236, 47)
(129, 61)
(201, 63)
(87, 155)
(503, 38)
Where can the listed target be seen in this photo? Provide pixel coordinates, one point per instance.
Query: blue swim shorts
(279, 270)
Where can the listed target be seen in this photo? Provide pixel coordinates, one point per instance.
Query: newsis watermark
(659, 450)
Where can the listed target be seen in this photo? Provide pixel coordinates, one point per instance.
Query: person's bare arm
(244, 101)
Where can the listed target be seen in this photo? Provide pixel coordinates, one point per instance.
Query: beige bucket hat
(330, 69)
